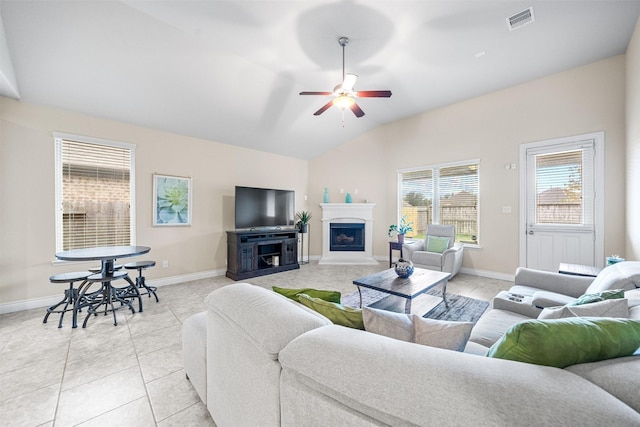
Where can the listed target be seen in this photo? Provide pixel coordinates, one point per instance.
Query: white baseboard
(29, 304)
(489, 274)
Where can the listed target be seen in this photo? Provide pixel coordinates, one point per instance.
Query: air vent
(520, 19)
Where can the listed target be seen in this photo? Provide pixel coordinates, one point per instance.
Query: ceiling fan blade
(373, 93)
(357, 110)
(324, 108)
(349, 82)
(316, 93)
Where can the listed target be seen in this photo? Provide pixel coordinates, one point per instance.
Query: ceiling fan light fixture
(344, 102)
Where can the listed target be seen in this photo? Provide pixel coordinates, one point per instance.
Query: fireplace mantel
(347, 213)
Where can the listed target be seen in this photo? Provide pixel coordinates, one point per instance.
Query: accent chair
(438, 251)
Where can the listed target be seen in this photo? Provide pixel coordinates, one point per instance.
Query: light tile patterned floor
(132, 374)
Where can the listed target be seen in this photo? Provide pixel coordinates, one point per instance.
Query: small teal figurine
(325, 197)
(348, 198)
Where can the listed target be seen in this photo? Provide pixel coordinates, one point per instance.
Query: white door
(562, 214)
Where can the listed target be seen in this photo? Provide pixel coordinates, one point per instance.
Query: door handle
(530, 231)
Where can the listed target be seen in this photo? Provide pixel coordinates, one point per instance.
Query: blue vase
(404, 268)
(348, 198)
(325, 197)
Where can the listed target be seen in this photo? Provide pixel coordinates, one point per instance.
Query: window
(441, 194)
(559, 187)
(94, 193)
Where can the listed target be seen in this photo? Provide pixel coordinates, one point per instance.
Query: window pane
(417, 200)
(458, 189)
(95, 194)
(559, 188)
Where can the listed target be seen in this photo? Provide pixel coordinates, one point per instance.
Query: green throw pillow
(337, 313)
(565, 342)
(331, 296)
(599, 296)
(437, 244)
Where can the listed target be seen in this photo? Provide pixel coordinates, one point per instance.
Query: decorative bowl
(404, 268)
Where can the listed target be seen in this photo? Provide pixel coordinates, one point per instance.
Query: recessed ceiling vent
(521, 19)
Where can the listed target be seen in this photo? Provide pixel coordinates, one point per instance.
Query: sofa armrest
(545, 299)
(565, 284)
(409, 248)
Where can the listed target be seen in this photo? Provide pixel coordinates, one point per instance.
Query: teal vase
(348, 198)
(325, 197)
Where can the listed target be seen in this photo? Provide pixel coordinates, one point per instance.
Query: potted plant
(401, 229)
(303, 218)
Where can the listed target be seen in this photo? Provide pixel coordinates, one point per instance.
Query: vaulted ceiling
(231, 71)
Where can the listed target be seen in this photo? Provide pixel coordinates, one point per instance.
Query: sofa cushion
(339, 314)
(413, 328)
(327, 295)
(599, 296)
(564, 342)
(437, 244)
(620, 377)
(609, 308)
(493, 325)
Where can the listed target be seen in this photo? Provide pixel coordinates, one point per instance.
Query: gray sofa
(258, 358)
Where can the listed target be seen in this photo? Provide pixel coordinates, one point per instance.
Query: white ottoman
(194, 352)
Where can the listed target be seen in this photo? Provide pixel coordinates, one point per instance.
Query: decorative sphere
(404, 268)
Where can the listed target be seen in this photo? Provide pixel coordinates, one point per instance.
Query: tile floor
(132, 374)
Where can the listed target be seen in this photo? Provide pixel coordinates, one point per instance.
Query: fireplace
(347, 233)
(346, 237)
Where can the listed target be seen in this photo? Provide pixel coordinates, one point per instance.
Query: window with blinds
(442, 194)
(559, 188)
(94, 193)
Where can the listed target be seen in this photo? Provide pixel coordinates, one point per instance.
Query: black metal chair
(70, 295)
(108, 295)
(140, 280)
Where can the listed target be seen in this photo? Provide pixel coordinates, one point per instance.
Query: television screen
(264, 208)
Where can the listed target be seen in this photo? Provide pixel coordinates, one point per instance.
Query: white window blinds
(93, 193)
(564, 186)
(442, 194)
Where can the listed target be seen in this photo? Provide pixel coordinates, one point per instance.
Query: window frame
(435, 207)
(59, 202)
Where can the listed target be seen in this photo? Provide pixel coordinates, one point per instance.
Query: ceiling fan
(344, 94)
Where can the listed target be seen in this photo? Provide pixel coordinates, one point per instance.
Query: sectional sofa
(258, 358)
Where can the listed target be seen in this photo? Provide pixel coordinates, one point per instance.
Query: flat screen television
(264, 209)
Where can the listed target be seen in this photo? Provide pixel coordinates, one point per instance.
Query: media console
(251, 253)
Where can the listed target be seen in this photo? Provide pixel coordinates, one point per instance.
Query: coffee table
(387, 281)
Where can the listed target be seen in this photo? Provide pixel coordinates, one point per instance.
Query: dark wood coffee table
(421, 281)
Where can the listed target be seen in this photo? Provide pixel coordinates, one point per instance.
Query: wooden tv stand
(253, 253)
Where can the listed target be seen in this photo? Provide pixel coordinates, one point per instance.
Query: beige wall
(490, 128)
(27, 223)
(632, 250)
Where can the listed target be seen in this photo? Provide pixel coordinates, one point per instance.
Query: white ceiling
(231, 71)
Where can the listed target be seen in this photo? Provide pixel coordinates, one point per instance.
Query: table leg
(107, 267)
(360, 294)
(407, 306)
(444, 293)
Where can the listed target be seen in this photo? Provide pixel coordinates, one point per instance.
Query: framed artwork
(171, 200)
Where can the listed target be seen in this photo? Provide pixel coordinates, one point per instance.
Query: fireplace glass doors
(346, 237)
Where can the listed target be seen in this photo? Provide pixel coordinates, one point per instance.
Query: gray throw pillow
(415, 329)
(618, 308)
